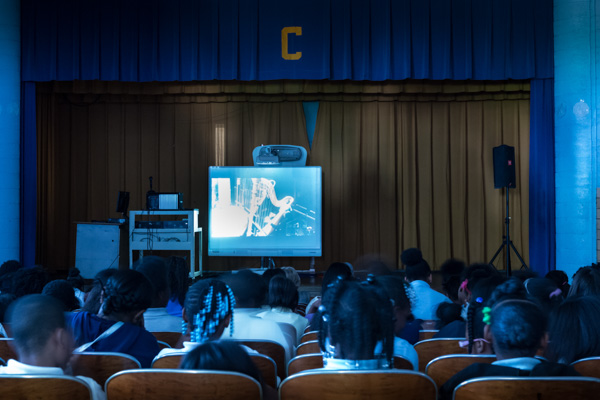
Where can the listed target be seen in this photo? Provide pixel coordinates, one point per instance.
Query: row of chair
(153, 384)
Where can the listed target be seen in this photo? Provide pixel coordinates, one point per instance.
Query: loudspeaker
(504, 167)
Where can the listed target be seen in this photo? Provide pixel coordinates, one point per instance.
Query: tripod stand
(506, 242)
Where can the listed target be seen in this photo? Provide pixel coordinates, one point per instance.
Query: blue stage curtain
(184, 40)
(542, 222)
(28, 174)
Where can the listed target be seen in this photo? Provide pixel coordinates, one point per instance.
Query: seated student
(42, 341)
(516, 329)
(561, 279)
(282, 301)
(573, 331)
(156, 318)
(249, 291)
(356, 328)
(179, 283)
(29, 281)
(545, 292)
(418, 274)
(208, 310)
(396, 291)
(451, 271)
(229, 356)
(126, 296)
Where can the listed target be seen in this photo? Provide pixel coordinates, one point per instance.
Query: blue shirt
(425, 300)
(129, 339)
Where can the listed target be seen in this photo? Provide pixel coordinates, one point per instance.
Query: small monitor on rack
(271, 212)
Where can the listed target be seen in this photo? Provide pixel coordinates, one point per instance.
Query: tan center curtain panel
(405, 163)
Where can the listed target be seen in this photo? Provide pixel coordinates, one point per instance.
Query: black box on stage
(164, 201)
(504, 167)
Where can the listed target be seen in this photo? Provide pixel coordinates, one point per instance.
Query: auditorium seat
(358, 385)
(265, 365)
(310, 347)
(159, 384)
(433, 348)
(425, 334)
(47, 387)
(304, 362)
(588, 367)
(101, 365)
(270, 349)
(402, 363)
(6, 349)
(170, 338)
(547, 388)
(309, 336)
(442, 368)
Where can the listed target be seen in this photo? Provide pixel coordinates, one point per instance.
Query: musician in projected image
(250, 207)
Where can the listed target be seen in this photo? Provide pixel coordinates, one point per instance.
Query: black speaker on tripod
(505, 177)
(504, 167)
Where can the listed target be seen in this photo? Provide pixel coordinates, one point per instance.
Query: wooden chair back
(170, 338)
(358, 385)
(402, 363)
(163, 345)
(155, 384)
(304, 362)
(588, 367)
(309, 336)
(6, 349)
(550, 388)
(270, 349)
(168, 361)
(433, 348)
(267, 368)
(442, 368)
(47, 387)
(100, 366)
(427, 334)
(265, 365)
(310, 347)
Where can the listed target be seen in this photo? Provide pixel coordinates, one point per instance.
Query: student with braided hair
(354, 319)
(119, 325)
(207, 312)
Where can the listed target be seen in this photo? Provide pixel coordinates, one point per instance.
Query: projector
(274, 155)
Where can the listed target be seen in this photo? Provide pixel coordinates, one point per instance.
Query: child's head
(157, 272)
(517, 328)
(573, 330)
(416, 267)
(39, 330)
(396, 290)
(334, 271)
(282, 293)
(221, 355)
(545, 292)
(292, 275)
(63, 291)
(471, 276)
(355, 317)
(29, 281)
(208, 309)
(451, 270)
(480, 297)
(586, 282)
(561, 279)
(126, 296)
(93, 300)
(248, 288)
(447, 313)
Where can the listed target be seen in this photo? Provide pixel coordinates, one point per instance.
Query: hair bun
(411, 256)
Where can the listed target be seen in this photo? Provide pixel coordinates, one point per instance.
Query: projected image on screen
(268, 210)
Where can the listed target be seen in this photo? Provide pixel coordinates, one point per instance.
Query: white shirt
(249, 327)
(522, 363)
(279, 314)
(402, 349)
(159, 320)
(426, 300)
(189, 346)
(14, 367)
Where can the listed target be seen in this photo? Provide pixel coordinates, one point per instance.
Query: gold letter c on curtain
(296, 30)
